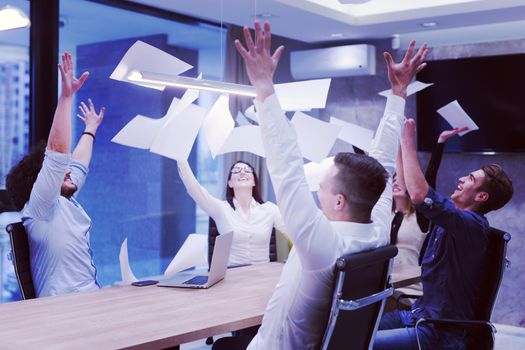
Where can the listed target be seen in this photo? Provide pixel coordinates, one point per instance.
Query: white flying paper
(172, 135)
(457, 117)
(146, 58)
(244, 139)
(303, 95)
(218, 125)
(412, 88)
(125, 270)
(192, 253)
(354, 134)
(250, 114)
(315, 171)
(315, 137)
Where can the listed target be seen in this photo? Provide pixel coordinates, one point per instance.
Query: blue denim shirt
(452, 262)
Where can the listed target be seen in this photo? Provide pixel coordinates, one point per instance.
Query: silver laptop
(218, 267)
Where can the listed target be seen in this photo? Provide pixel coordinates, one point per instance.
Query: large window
(131, 192)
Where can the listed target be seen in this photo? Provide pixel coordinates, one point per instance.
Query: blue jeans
(394, 334)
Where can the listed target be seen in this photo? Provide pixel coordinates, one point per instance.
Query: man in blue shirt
(44, 185)
(451, 266)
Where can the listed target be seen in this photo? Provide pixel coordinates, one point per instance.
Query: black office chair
(361, 287)
(480, 332)
(21, 259)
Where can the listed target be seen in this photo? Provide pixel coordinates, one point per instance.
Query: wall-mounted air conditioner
(340, 61)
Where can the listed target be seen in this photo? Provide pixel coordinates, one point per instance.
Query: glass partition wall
(130, 193)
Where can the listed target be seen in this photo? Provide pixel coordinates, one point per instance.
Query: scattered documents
(218, 125)
(315, 137)
(412, 88)
(303, 95)
(315, 172)
(125, 270)
(143, 57)
(192, 253)
(457, 117)
(354, 134)
(244, 139)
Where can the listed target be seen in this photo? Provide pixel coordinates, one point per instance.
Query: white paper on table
(125, 270)
(146, 58)
(303, 95)
(241, 119)
(457, 117)
(218, 125)
(315, 137)
(315, 172)
(244, 139)
(354, 134)
(412, 88)
(192, 253)
(176, 138)
(139, 132)
(250, 114)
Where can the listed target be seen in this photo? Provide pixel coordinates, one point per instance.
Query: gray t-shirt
(58, 230)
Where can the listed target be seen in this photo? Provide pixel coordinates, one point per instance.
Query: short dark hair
(361, 179)
(499, 187)
(21, 177)
(255, 191)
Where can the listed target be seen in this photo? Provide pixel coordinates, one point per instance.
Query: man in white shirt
(355, 197)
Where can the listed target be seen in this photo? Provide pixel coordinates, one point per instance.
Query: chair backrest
(21, 259)
(213, 233)
(361, 287)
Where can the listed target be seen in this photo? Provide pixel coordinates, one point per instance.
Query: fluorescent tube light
(12, 18)
(191, 83)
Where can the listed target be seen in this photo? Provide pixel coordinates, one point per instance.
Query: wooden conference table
(140, 317)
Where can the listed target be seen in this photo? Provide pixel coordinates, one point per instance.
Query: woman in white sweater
(243, 212)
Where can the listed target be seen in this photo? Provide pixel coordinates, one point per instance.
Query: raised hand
(70, 84)
(401, 74)
(260, 64)
(90, 116)
(408, 135)
(446, 134)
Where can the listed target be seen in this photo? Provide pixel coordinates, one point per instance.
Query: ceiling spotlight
(429, 24)
(12, 18)
(353, 2)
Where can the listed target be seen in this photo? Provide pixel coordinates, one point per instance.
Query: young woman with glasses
(243, 212)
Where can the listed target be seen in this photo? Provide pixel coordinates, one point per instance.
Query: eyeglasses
(238, 169)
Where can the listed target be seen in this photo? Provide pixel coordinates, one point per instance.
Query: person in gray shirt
(44, 185)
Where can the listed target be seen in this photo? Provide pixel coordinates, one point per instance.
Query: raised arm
(59, 139)
(415, 181)
(207, 202)
(92, 120)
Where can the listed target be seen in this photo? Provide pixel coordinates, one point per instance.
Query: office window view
(130, 193)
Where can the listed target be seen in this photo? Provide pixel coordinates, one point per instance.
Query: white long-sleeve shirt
(296, 315)
(251, 234)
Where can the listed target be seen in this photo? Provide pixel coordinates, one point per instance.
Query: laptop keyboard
(198, 280)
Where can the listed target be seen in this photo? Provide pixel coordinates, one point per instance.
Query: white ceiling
(328, 20)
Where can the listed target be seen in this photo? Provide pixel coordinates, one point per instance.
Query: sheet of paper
(250, 114)
(315, 137)
(315, 172)
(176, 138)
(354, 134)
(140, 132)
(412, 88)
(192, 253)
(125, 270)
(218, 125)
(303, 95)
(457, 117)
(244, 139)
(146, 58)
